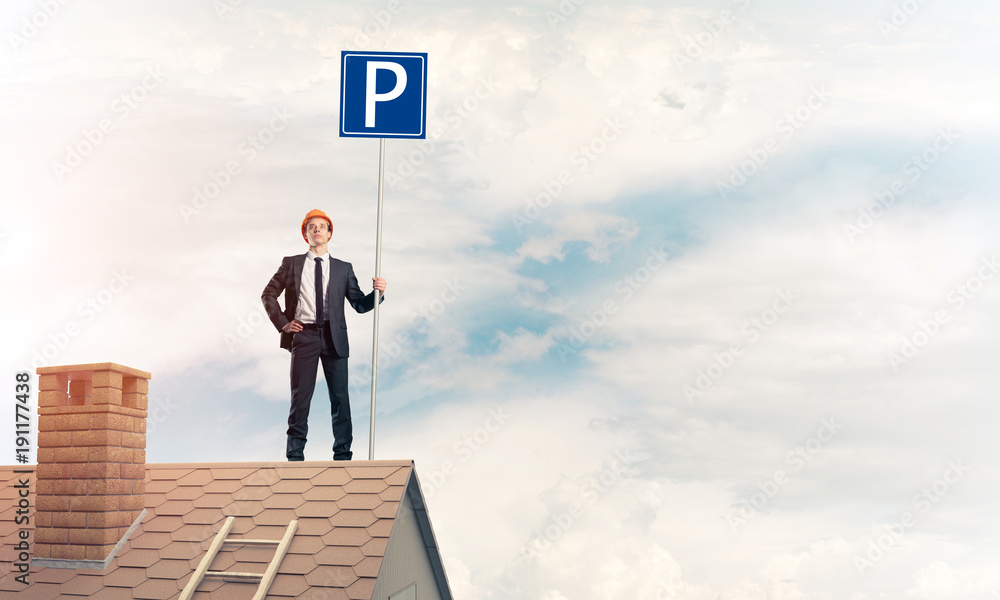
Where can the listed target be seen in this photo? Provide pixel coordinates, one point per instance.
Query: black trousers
(309, 348)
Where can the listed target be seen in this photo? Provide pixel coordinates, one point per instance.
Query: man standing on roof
(314, 329)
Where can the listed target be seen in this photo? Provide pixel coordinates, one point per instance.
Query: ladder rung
(252, 542)
(235, 575)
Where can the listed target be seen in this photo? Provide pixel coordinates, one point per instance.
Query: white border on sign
(343, 92)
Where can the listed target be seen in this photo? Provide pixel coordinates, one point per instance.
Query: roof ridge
(289, 464)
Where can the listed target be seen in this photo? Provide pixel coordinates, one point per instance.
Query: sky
(686, 300)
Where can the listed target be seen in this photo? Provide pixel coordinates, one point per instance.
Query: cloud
(521, 346)
(602, 234)
(939, 578)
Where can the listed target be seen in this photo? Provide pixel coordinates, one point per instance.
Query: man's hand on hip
(293, 326)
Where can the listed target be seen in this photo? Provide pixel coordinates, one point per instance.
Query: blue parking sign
(383, 94)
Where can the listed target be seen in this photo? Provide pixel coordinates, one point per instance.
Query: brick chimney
(91, 459)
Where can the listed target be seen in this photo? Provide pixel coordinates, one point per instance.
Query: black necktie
(319, 291)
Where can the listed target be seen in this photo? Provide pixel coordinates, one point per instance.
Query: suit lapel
(300, 262)
(329, 284)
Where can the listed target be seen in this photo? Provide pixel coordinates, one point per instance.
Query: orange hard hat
(315, 213)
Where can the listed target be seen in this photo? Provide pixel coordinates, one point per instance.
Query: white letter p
(371, 97)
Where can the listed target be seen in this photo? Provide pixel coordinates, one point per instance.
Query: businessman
(314, 329)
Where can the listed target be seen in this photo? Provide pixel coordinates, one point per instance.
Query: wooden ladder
(265, 578)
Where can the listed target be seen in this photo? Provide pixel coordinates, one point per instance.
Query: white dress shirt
(306, 310)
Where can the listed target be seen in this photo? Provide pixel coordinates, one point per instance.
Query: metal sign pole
(378, 295)
(402, 113)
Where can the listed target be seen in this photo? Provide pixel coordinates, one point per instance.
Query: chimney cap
(91, 367)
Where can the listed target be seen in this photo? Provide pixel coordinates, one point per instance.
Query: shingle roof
(345, 513)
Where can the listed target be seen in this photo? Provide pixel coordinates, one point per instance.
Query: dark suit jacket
(343, 285)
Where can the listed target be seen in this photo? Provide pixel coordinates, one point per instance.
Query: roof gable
(412, 556)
